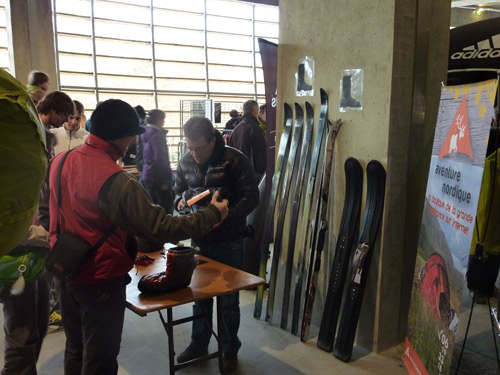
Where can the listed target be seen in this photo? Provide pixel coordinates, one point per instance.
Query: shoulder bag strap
(59, 169)
(105, 236)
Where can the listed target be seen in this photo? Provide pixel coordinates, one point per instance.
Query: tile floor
(268, 349)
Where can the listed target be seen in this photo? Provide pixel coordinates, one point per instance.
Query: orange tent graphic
(458, 139)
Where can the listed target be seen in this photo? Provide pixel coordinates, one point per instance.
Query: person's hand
(180, 205)
(222, 206)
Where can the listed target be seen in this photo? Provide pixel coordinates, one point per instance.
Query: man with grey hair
(249, 138)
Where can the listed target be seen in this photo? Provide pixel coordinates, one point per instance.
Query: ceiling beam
(462, 3)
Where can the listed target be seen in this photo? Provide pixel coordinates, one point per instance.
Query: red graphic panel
(412, 361)
(458, 139)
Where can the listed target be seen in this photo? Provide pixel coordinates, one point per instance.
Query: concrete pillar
(31, 40)
(402, 47)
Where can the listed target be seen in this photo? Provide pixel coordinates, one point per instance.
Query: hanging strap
(59, 189)
(104, 237)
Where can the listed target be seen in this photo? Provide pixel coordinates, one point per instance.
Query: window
(4, 42)
(178, 50)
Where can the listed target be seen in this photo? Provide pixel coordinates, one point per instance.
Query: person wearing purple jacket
(156, 174)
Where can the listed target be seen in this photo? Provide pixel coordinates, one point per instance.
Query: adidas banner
(475, 46)
(452, 194)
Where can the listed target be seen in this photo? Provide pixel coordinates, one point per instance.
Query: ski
(372, 215)
(290, 172)
(305, 154)
(283, 150)
(349, 227)
(318, 142)
(321, 229)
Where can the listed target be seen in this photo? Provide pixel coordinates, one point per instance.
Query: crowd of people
(93, 198)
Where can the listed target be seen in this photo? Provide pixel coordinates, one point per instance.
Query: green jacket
(489, 197)
(23, 163)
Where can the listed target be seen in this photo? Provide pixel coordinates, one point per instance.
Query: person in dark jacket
(134, 153)
(156, 175)
(210, 164)
(234, 120)
(96, 195)
(138, 145)
(249, 138)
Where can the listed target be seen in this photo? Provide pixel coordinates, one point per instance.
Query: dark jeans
(159, 196)
(26, 320)
(93, 321)
(230, 253)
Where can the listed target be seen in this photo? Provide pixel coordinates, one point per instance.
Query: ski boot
(301, 84)
(347, 100)
(180, 266)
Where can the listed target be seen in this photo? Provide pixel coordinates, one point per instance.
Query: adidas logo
(488, 48)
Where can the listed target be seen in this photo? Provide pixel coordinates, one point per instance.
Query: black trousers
(163, 198)
(93, 321)
(26, 320)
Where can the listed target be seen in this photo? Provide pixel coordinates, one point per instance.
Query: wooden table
(210, 279)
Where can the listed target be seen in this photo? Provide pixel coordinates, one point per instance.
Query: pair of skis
(290, 173)
(307, 225)
(277, 182)
(376, 176)
(321, 228)
(282, 180)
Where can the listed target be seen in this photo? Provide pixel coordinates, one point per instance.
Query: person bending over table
(97, 194)
(210, 164)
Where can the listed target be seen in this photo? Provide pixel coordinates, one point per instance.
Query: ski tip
(288, 110)
(375, 165)
(323, 93)
(309, 112)
(336, 124)
(375, 168)
(352, 162)
(298, 109)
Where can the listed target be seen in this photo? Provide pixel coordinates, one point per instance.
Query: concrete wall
(391, 41)
(31, 41)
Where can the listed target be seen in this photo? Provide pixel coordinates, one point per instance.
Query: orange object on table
(197, 198)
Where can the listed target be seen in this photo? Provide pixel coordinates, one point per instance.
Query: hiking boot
(481, 299)
(180, 266)
(190, 354)
(230, 363)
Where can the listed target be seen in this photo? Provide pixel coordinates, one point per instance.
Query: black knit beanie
(114, 119)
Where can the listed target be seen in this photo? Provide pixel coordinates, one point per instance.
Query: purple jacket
(156, 167)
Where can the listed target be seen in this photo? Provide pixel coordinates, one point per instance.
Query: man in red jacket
(97, 194)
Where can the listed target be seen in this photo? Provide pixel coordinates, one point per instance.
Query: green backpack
(22, 261)
(23, 161)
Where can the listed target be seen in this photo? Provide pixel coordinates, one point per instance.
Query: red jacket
(84, 172)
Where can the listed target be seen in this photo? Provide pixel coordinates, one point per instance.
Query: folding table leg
(169, 328)
(220, 335)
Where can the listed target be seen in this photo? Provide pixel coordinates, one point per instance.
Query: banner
(452, 194)
(269, 55)
(475, 46)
